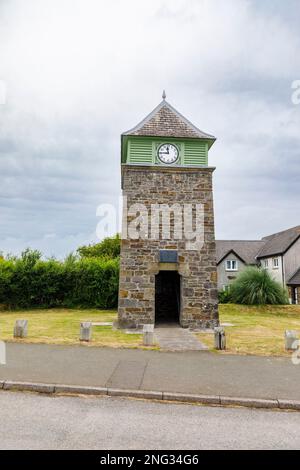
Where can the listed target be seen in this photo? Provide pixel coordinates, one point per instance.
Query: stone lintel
(168, 266)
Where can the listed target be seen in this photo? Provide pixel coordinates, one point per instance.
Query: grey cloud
(70, 97)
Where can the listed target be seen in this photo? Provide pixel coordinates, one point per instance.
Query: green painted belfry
(165, 278)
(139, 145)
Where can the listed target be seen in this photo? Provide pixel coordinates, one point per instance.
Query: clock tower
(168, 267)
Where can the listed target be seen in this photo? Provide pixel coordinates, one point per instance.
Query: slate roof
(279, 243)
(245, 249)
(166, 121)
(295, 279)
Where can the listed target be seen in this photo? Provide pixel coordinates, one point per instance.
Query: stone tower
(168, 262)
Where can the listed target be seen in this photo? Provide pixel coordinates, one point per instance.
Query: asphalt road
(31, 421)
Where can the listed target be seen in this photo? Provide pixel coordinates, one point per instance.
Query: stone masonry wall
(140, 258)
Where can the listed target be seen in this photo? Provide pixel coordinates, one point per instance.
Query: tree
(109, 248)
(30, 257)
(255, 286)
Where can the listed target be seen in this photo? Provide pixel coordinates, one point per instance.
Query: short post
(85, 331)
(291, 340)
(148, 335)
(220, 338)
(21, 329)
(2, 353)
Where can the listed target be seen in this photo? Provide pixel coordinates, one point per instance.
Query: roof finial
(164, 95)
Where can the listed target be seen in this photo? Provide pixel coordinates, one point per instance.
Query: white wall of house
(226, 276)
(291, 260)
(274, 266)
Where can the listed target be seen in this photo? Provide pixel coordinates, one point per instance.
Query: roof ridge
(146, 119)
(294, 280)
(190, 126)
(246, 250)
(294, 273)
(188, 122)
(241, 240)
(279, 243)
(282, 231)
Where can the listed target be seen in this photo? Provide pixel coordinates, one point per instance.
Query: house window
(275, 263)
(231, 265)
(266, 263)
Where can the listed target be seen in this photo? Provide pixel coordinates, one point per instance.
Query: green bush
(255, 286)
(224, 296)
(28, 281)
(109, 248)
(92, 282)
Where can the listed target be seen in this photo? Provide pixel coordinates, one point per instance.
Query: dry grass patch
(61, 326)
(256, 330)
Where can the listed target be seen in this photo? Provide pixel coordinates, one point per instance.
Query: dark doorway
(167, 297)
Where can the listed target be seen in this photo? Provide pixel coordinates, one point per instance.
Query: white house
(279, 253)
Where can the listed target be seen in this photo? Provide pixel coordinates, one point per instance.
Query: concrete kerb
(250, 402)
(80, 390)
(29, 387)
(144, 394)
(216, 400)
(289, 404)
(187, 398)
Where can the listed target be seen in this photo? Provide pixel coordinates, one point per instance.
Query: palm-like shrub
(255, 286)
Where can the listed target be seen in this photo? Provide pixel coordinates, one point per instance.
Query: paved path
(113, 423)
(173, 338)
(199, 372)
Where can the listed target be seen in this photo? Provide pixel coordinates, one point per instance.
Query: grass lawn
(61, 326)
(256, 330)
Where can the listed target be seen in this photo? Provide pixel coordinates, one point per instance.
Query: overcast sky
(78, 73)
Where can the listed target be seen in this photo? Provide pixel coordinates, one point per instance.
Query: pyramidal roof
(166, 121)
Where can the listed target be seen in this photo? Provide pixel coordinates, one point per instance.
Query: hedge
(31, 282)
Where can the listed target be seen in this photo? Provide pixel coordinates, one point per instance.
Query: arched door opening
(167, 297)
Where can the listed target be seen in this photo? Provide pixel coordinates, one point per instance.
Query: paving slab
(61, 364)
(190, 372)
(228, 375)
(128, 374)
(174, 338)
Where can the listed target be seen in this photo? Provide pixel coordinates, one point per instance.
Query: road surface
(32, 421)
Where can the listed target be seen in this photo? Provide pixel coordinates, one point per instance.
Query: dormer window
(231, 265)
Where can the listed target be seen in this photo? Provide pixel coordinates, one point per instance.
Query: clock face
(168, 153)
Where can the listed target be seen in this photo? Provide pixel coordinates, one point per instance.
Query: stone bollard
(148, 335)
(85, 331)
(21, 329)
(220, 338)
(2, 353)
(291, 340)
